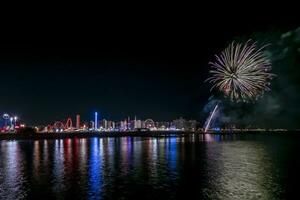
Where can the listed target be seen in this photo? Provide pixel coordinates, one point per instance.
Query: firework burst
(241, 72)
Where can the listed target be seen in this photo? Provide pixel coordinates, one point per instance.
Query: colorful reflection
(95, 169)
(12, 178)
(206, 166)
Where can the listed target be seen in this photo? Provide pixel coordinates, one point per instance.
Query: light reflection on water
(208, 166)
(11, 175)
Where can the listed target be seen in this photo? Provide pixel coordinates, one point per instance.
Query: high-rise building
(122, 125)
(113, 125)
(105, 124)
(128, 127)
(125, 125)
(109, 125)
(77, 121)
(138, 124)
(91, 125)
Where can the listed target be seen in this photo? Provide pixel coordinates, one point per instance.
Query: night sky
(151, 68)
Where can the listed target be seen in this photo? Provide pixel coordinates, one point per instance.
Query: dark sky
(151, 67)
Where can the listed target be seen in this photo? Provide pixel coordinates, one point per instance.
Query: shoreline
(53, 135)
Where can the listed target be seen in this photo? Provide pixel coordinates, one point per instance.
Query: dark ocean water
(241, 166)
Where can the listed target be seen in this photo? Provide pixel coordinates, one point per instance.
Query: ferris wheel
(149, 123)
(5, 116)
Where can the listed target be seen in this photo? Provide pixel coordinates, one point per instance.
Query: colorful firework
(241, 72)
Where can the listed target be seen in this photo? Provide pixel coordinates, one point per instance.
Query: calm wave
(202, 166)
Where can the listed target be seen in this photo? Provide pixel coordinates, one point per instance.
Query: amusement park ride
(68, 126)
(60, 126)
(10, 123)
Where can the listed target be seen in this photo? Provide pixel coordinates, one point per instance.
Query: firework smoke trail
(210, 118)
(241, 72)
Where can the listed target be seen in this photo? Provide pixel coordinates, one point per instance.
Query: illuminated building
(122, 125)
(113, 125)
(128, 123)
(183, 124)
(125, 125)
(162, 125)
(110, 125)
(85, 126)
(179, 123)
(137, 124)
(104, 124)
(91, 125)
(77, 121)
(131, 125)
(192, 124)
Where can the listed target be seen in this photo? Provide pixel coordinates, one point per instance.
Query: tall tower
(96, 120)
(77, 121)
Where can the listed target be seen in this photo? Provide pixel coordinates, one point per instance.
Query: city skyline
(99, 123)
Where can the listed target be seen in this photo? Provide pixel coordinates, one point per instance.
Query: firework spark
(241, 72)
(212, 114)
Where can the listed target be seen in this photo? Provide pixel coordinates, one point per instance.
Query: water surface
(241, 166)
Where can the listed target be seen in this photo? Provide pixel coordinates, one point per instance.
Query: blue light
(172, 153)
(95, 169)
(96, 120)
(217, 129)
